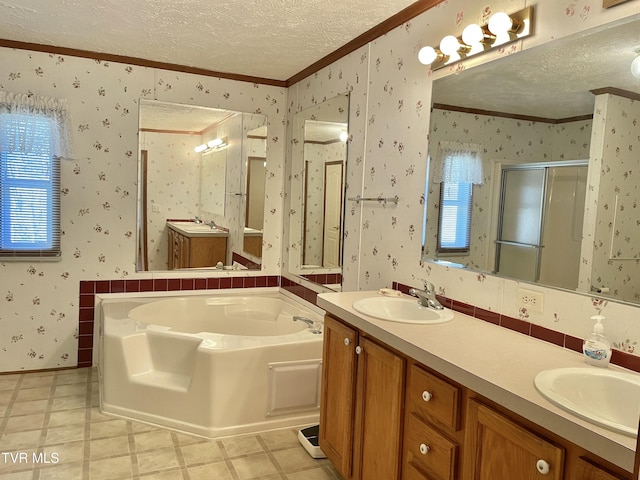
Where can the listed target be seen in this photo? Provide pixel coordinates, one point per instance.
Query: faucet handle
(428, 286)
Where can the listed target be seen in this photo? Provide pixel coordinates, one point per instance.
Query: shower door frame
(502, 168)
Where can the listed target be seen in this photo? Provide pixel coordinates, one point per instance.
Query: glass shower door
(518, 246)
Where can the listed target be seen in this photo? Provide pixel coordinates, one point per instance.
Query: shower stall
(540, 222)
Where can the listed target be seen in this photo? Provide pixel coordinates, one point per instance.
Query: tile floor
(51, 428)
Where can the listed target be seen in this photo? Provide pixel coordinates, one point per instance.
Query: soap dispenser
(596, 347)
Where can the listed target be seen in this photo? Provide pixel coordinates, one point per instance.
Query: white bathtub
(210, 364)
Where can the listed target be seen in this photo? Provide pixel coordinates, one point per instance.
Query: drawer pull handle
(347, 341)
(427, 396)
(424, 448)
(543, 467)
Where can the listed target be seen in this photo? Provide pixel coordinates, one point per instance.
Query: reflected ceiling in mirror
(568, 103)
(178, 183)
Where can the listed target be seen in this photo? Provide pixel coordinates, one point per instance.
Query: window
(454, 222)
(30, 147)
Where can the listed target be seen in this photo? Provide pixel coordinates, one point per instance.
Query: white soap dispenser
(596, 347)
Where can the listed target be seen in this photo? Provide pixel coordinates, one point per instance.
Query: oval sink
(604, 397)
(403, 310)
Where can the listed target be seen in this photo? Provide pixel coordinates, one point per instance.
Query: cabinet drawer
(428, 453)
(431, 398)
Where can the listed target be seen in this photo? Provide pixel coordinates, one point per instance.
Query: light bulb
(450, 45)
(344, 136)
(635, 67)
(201, 148)
(472, 34)
(216, 142)
(427, 55)
(500, 23)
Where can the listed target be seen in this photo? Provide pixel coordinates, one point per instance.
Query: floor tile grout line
(227, 460)
(179, 455)
(86, 463)
(12, 401)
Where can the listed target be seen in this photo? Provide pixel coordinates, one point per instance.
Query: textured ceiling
(553, 80)
(272, 39)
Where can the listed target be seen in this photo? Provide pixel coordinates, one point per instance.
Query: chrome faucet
(212, 224)
(427, 297)
(197, 220)
(315, 327)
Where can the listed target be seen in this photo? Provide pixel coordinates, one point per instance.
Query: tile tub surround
(51, 413)
(618, 357)
(89, 289)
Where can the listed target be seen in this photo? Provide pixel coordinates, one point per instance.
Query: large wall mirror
(534, 165)
(200, 188)
(318, 159)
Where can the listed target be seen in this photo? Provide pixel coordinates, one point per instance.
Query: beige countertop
(192, 229)
(493, 361)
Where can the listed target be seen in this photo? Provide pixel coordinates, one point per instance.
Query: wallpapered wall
(173, 185)
(389, 123)
(39, 301)
(502, 139)
(612, 200)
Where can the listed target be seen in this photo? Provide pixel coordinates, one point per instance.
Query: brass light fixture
(500, 30)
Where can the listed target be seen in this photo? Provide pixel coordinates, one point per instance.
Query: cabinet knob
(424, 448)
(543, 467)
(359, 349)
(427, 396)
(347, 341)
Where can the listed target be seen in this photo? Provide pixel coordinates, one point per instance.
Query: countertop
(192, 229)
(493, 361)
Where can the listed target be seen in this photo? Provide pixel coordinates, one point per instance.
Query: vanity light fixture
(635, 65)
(344, 136)
(500, 29)
(211, 145)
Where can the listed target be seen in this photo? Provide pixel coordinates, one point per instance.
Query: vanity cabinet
(362, 404)
(196, 251)
(497, 447)
(432, 432)
(385, 416)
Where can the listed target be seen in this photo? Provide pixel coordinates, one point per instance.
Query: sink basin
(403, 310)
(604, 397)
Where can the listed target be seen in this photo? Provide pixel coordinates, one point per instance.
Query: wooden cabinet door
(498, 448)
(380, 396)
(338, 394)
(588, 470)
(171, 254)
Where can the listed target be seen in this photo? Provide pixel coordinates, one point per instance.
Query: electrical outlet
(155, 208)
(532, 301)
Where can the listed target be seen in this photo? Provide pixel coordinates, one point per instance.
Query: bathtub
(211, 364)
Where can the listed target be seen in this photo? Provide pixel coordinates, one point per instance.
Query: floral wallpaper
(387, 155)
(39, 301)
(173, 187)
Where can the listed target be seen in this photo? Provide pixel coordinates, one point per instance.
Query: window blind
(29, 191)
(455, 217)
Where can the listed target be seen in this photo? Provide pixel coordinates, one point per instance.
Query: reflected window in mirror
(454, 219)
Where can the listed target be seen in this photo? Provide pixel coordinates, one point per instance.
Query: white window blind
(455, 217)
(29, 189)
